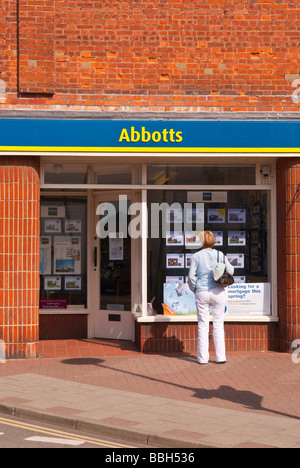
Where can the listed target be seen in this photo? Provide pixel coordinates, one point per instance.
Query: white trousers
(216, 301)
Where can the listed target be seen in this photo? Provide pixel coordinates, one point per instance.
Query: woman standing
(209, 294)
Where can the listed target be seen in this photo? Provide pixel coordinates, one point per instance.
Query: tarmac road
(22, 433)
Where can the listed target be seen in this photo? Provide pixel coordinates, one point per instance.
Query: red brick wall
(63, 327)
(19, 255)
(200, 55)
(203, 55)
(36, 46)
(182, 337)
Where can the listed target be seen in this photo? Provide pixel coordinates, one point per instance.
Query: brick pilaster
(288, 216)
(19, 255)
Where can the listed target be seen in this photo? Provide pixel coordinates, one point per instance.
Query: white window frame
(205, 159)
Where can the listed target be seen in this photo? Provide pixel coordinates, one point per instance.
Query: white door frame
(101, 324)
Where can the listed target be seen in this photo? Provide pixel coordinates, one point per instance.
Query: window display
(241, 223)
(63, 269)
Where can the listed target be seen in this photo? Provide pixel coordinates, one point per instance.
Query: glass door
(112, 261)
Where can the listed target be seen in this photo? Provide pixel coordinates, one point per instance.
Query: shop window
(58, 173)
(64, 173)
(159, 174)
(113, 174)
(63, 255)
(241, 222)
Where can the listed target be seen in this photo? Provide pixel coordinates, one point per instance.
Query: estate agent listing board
(240, 235)
(60, 256)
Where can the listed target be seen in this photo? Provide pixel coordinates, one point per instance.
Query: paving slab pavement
(162, 400)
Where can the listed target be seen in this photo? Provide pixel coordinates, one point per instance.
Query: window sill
(193, 319)
(64, 312)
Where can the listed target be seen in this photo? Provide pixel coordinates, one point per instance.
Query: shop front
(101, 219)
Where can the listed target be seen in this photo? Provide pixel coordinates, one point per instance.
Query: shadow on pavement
(245, 398)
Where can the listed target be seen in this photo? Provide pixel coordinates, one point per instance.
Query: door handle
(95, 257)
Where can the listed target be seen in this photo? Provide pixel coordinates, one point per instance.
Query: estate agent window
(241, 222)
(234, 201)
(63, 244)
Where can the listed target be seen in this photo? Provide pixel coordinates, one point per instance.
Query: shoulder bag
(220, 274)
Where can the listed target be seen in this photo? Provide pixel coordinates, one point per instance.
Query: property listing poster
(67, 255)
(45, 255)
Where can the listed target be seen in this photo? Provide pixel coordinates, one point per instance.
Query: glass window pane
(115, 269)
(159, 174)
(240, 221)
(63, 256)
(116, 174)
(59, 173)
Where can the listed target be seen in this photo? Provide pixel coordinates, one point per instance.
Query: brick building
(92, 96)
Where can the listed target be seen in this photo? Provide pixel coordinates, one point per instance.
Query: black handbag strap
(219, 257)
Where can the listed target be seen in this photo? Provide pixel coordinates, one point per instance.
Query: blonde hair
(208, 239)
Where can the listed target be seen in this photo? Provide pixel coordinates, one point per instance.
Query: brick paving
(262, 385)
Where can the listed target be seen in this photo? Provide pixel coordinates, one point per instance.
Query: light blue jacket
(200, 275)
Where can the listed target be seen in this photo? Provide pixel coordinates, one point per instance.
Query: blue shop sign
(45, 135)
